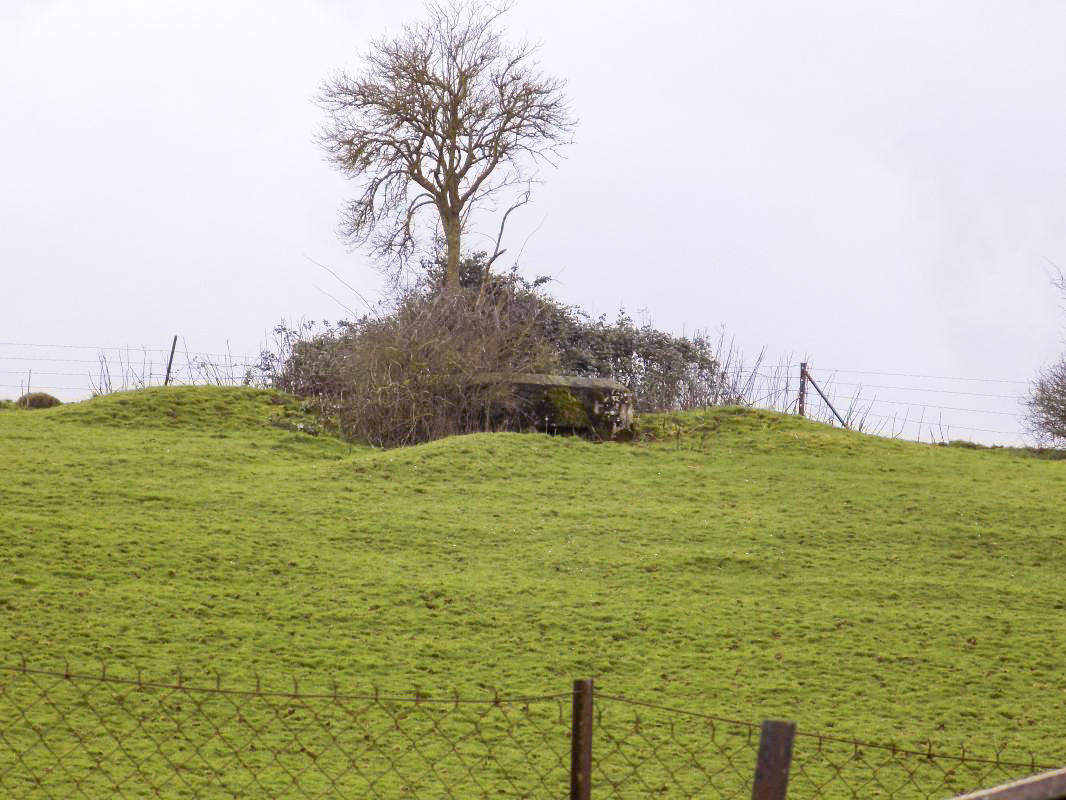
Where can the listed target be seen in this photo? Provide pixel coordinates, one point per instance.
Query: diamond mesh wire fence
(645, 750)
(835, 767)
(65, 735)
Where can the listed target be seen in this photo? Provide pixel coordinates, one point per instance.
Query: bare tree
(445, 117)
(1047, 404)
(1047, 396)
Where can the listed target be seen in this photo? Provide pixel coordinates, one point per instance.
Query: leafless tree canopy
(445, 117)
(1047, 405)
(1047, 397)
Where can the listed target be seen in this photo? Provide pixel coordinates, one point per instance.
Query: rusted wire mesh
(642, 750)
(835, 767)
(79, 736)
(65, 735)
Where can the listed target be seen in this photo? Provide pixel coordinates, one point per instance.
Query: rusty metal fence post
(581, 742)
(773, 761)
(170, 361)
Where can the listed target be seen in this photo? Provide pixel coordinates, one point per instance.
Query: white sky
(879, 187)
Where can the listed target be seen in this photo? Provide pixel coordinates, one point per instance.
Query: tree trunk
(451, 238)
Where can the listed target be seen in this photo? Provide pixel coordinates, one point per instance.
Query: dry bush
(419, 372)
(434, 362)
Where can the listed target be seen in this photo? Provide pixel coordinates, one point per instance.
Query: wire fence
(75, 372)
(923, 407)
(65, 735)
(910, 405)
(647, 750)
(828, 766)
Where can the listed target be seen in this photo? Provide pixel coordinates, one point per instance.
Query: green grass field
(741, 563)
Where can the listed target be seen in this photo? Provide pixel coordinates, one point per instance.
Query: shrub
(417, 370)
(664, 372)
(38, 400)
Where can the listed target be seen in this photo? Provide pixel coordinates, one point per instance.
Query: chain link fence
(830, 767)
(65, 735)
(643, 750)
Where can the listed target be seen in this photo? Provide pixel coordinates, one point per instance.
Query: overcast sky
(876, 186)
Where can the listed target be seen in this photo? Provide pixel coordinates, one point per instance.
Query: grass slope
(757, 565)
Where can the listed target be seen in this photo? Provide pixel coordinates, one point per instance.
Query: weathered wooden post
(774, 759)
(581, 742)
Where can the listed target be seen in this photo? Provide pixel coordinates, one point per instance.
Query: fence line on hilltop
(912, 405)
(121, 368)
(864, 406)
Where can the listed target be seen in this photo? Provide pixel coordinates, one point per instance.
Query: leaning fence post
(775, 756)
(802, 401)
(170, 361)
(821, 394)
(581, 742)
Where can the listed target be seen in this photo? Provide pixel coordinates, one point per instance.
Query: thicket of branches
(417, 370)
(1047, 398)
(422, 370)
(1047, 404)
(664, 372)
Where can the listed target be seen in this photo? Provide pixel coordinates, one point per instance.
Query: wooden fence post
(802, 401)
(775, 756)
(581, 742)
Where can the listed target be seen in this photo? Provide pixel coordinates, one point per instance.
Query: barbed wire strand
(672, 710)
(925, 389)
(928, 753)
(128, 362)
(129, 348)
(914, 375)
(861, 399)
(184, 687)
(937, 423)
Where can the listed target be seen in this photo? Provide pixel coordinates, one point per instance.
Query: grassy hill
(743, 563)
